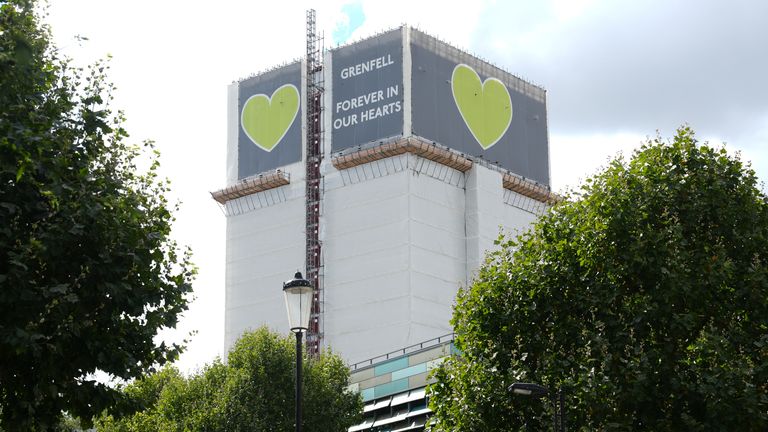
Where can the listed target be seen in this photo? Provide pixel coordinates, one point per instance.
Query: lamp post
(539, 391)
(298, 302)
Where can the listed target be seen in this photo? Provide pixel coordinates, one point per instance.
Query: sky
(616, 72)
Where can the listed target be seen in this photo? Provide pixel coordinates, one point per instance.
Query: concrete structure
(405, 220)
(393, 386)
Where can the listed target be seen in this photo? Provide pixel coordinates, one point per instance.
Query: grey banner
(367, 91)
(522, 147)
(270, 129)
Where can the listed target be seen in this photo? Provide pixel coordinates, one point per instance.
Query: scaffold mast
(314, 180)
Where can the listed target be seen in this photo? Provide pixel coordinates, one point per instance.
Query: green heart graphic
(485, 107)
(266, 119)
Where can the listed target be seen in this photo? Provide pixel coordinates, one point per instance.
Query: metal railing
(401, 352)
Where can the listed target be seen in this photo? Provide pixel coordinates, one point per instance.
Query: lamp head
(298, 302)
(529, 389)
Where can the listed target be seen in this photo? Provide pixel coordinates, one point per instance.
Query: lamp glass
(298, 303)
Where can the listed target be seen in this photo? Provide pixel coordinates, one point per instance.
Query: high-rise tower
(425, 152)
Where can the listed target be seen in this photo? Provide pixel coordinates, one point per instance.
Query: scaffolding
(314, 180)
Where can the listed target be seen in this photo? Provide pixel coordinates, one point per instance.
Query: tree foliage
(644, 296)
(254, 391)
(88, 272)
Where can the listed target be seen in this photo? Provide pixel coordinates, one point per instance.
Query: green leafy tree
(254, 391)
(644, 296)
(88, 272)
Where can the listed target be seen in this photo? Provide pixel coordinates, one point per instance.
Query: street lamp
(539, 391)
(298, 302)
(528, 389)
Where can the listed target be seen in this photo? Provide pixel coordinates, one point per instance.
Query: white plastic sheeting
(265, 247)
(398, 241)
(394, 254)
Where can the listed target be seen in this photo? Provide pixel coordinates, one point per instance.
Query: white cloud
(573, 158)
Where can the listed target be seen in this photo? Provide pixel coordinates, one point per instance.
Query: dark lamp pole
(298, 303)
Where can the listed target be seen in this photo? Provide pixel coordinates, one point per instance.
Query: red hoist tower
(314, 179)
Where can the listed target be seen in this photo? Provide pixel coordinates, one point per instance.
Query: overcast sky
(615, 73)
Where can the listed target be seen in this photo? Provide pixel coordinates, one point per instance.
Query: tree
(254, 391)
(88, 272)
(644, 296)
